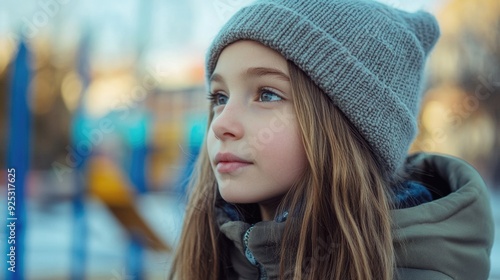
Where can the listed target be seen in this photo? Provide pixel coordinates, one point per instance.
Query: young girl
(303, 173)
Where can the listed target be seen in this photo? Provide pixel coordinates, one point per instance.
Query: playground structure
(114, 154)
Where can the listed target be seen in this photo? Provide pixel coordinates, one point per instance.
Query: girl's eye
(269, 96)
(218, 99)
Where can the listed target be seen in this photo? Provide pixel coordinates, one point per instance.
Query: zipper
(250, 257)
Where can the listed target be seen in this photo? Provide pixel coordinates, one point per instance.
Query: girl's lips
(230, 166)
(227, 162)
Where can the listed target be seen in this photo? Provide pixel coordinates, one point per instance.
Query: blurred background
(103, 110)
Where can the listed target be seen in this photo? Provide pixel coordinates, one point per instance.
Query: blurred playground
(103, 110)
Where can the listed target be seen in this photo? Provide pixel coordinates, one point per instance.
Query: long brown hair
(338, 211)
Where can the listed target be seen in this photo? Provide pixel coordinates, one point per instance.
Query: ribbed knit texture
(367, 57)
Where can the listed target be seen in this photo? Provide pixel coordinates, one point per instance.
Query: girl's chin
(237, 196)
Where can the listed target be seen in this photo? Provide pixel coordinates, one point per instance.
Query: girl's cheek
(211, 142)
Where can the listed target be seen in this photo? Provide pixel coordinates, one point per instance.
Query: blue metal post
(136, 252)
(18, 161)
(79, 248)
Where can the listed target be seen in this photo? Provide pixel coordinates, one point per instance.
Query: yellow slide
(108, 183)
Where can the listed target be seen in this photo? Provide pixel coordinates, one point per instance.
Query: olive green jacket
(448, 238)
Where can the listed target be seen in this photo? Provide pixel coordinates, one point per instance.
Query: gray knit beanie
(367, 57)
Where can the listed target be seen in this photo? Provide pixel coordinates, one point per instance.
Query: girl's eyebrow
(263, 71)
(216, 78)
(256, 71)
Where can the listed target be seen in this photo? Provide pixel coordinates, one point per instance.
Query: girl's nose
(228, 124)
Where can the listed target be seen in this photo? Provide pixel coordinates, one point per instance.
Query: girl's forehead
(246, 54)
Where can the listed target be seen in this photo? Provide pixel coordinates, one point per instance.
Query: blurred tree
(465, 82)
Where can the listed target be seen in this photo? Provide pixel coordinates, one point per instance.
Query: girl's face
(254, 143)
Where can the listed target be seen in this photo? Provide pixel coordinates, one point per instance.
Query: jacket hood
(449, 237)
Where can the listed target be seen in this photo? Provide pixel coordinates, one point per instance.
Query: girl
(303, 173)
